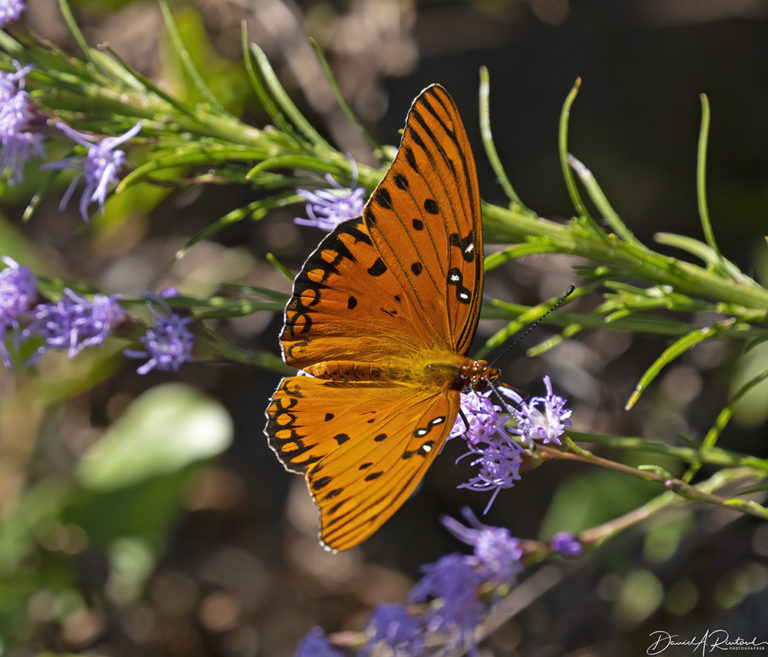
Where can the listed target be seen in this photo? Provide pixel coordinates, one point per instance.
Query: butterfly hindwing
(362, 446)
(425, 220)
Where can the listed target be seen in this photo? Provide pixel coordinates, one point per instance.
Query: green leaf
(701, 176)
(586, 500)
(186, 60)
(284, 101)
(162, 431)
(677, 348)
(601, 202)
(340, 97)
(490, 146)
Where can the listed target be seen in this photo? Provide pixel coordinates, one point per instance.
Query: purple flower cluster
(452, 599)
(167, 343)
(496, 436)
(73, 323)
(17, 142)
(567, 544)
(547, 423)
(17, 295)
(497, 552)
(99, 167)
(327, 208)
(397, 628)
(316, 645)
(10, 11)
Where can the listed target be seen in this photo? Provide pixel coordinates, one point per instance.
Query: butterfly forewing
(347, 305)
(424, 218)
(362, 446)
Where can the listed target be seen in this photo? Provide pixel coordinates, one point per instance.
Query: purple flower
(566, 544)
(17, 143)
(73, 323)
(496, 436)
(17, 292)
(168, 342)
(327, 208)
(399, 630)
(546, 424)
(497, 456)
(10, 11)
(450, 586)
(481, 415)
(316, 645)
(498, 553)
(99, 167)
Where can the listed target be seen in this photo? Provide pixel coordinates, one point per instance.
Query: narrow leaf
(340, 97)
(490, 146)
(186, 60)
(284, 101)
(676, 349)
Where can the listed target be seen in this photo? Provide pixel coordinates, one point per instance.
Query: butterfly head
(477, 374)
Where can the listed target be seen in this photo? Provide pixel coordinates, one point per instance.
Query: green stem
(709, 456)
(601, 533)
(677, 486)
(506, 225)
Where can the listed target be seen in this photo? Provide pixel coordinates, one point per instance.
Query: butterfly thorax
(477, 374)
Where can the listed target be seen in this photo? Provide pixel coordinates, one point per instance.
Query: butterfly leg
(464, 419)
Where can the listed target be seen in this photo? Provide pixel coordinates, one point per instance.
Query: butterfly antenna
(526, 331)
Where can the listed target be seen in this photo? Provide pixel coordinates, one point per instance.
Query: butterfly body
(439, 369)
(381, 318)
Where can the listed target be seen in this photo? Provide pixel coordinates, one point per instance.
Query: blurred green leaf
(751, 409)
(593, 498)
(164, 430)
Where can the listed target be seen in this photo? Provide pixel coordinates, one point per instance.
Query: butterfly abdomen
(349, 370)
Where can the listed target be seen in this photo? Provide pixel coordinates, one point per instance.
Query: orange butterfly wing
(364, 456)
(425, 220)
(383, 311)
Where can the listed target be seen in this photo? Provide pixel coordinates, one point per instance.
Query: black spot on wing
(466, 245)
(329, 416)
(411, 159)
(418, 224)
(321, 483)
(422, 451)
(417, 268)
(423, 431)
(383, 198)
(341, 438)
(377, 268)
(380, 437)
(374, 475)
(401, 181)
(431, 206)
(456, 278)
(365, 466)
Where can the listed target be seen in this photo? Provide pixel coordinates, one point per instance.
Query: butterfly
(381, 318)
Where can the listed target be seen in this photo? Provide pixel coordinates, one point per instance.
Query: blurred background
(121, 530)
